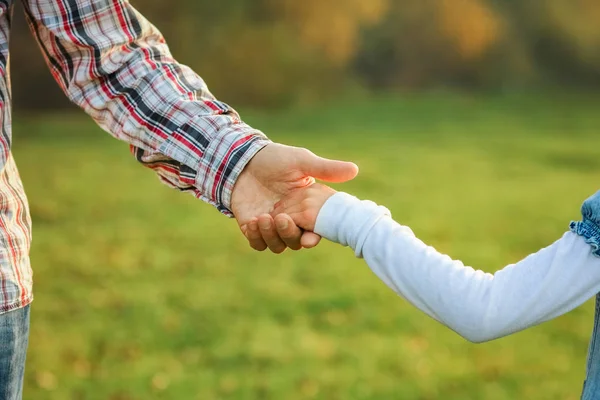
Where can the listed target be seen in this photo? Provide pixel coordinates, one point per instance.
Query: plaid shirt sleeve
(116, 66)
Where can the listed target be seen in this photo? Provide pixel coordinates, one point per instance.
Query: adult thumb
(326, 170)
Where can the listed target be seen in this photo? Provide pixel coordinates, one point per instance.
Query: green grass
(142, 292)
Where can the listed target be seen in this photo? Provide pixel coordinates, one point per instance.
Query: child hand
(303, 205)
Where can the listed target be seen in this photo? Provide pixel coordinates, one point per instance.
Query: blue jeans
(14, 335)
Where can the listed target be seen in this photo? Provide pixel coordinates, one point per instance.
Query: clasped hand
(265, 195)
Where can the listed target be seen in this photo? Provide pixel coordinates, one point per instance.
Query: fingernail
(282, 224)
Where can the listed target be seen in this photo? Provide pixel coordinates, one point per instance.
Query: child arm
(477, 305)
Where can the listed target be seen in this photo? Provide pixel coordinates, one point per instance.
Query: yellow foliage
(332, 27)
(579, 22)
(471, 26)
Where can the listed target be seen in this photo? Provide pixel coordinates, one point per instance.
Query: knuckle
(265, 229)
(307, 215)
(289, 234)
(307, 202)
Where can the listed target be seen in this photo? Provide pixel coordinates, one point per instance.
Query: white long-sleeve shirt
(478, 306)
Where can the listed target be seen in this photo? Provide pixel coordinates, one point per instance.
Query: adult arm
(114, 64)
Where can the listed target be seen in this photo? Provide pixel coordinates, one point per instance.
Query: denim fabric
(589, 229)
(14, 335)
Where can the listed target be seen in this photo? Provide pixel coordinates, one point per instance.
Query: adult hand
(273, 173)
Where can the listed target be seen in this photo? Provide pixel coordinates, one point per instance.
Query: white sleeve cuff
(346, 220)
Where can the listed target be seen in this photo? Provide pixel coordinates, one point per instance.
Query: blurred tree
(471, 26)
(566, 39)
(428, 42)
(268, 53)
(331, 27)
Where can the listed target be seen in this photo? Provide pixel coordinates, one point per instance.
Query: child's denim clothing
(589, 228)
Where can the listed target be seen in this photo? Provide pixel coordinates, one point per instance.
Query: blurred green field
(145, 293)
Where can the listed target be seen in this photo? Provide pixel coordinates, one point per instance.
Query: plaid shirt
(116, 66)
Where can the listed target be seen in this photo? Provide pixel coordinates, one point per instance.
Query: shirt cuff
(346, 220)
(223, 162)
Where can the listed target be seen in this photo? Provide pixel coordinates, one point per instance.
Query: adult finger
(324, 169)
(288, 231)
(254, 237)
(268, 231)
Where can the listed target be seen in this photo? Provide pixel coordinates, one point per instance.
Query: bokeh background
(475, 121)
